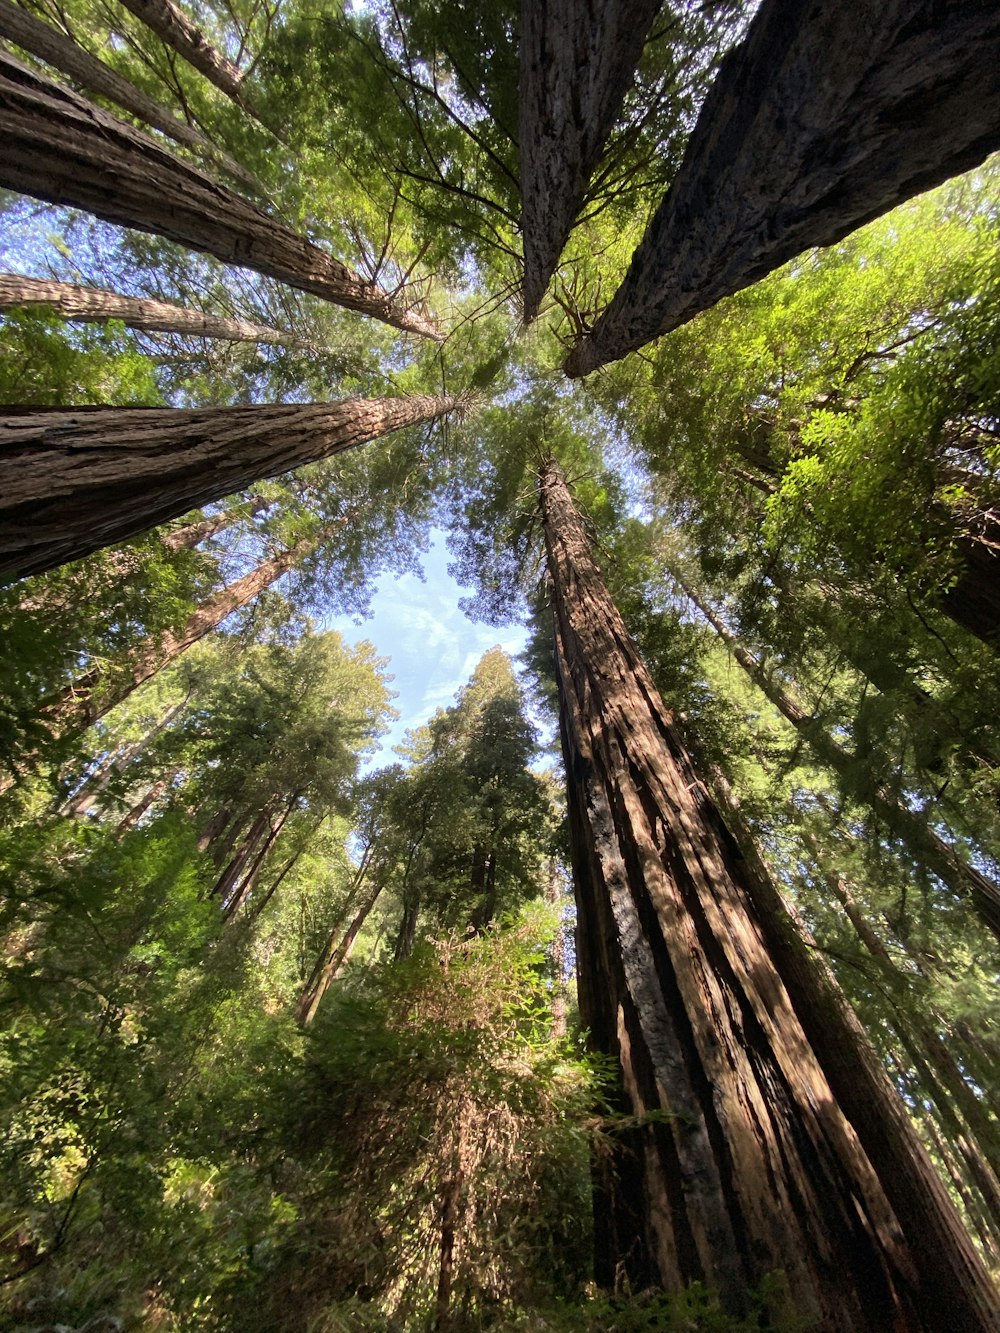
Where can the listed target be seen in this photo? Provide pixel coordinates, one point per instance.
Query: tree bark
(64, 149)
(825, 117)
(578, 58)
(95, 305)
(75, 479)
(954, 870)
(40, 39)
(748, 1163)
(176, 30)
(81, 703)
(189, 536)
(557, 953)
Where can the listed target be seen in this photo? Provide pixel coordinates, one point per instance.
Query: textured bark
(95, 305)
(91, 696)
(56, 49)
(64, 149)
(75, 479)
(955, 872)
(174, 28)
(825, 117)
(577, 61)
(749, 1165)
(189, 536)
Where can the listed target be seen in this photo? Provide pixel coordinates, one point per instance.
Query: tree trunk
(80, 704)
(578, 58)
(333, 958)
(825, 117)
(557, 954)
(238, 892)
(142, 805)
(91, 790)
(230, 877)
(176, 30)
(910, 827)
(94, 305)
(748, 1163)
(61, 148)
(193, 534)
(62, 53)
(75, 479)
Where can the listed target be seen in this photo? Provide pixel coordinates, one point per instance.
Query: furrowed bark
(173, 27)
(62, 53)
(825, 117)
(748, 1164)
(64, 149)
(75, 479)
(96, 305)
(578, 58)
(911, 828)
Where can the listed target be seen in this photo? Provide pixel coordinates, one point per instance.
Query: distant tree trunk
(193, 534)
(62, 148)
(484, 887)
(825, 117)
(557, 954)
(239, 890)
(451, 1213)
(137, 811)
(578, 58)
(81, 703)
(75, 479)
(954, 870)
(973, 600)
(406, 936)
(225, 885)
(174, 28)
(91, 790)
(748, 1163)
(95, 305)
(56, 49)
(333, 958)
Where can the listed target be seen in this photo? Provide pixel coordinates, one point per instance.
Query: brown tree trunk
(62, 148)
(333, 958)
(176, 30)
(557, 954)
(238, 892)
(142, 805)
(56, 49)
(75, 479)
(748, 1163)
(825, 117)
(451, 1213)
(80, 704)
(193, 534)
(230, 876)
(94, 305)
(578, 58)
(90, 791)
(955, 872)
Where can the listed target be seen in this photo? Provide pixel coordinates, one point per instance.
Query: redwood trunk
(60, 51)
(83, 702)
(62, 148)
(577, 61)
(749, 1165)
(955, 872)
(94, 305)
(75, 479)
(827, 115)
(333, 958)
(193, 534)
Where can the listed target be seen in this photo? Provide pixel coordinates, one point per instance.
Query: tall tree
(77, 480)
(95, 305)
(49, 44)
(746, 1161)
(62, 148)
(821, 120)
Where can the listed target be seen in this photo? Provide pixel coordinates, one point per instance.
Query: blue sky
(433, 645)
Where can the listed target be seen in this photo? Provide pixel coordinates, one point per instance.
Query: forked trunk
(64, 149)
(75, 479)
(825, 117)
(95, 305)
(62, 53)
(745, 1161)
(578, 58)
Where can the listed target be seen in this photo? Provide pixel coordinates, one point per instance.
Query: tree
(674, 970)
(66, 150)
(97, 306)
(902, 108)
(70, 488)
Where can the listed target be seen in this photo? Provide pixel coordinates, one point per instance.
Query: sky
(433, 645)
